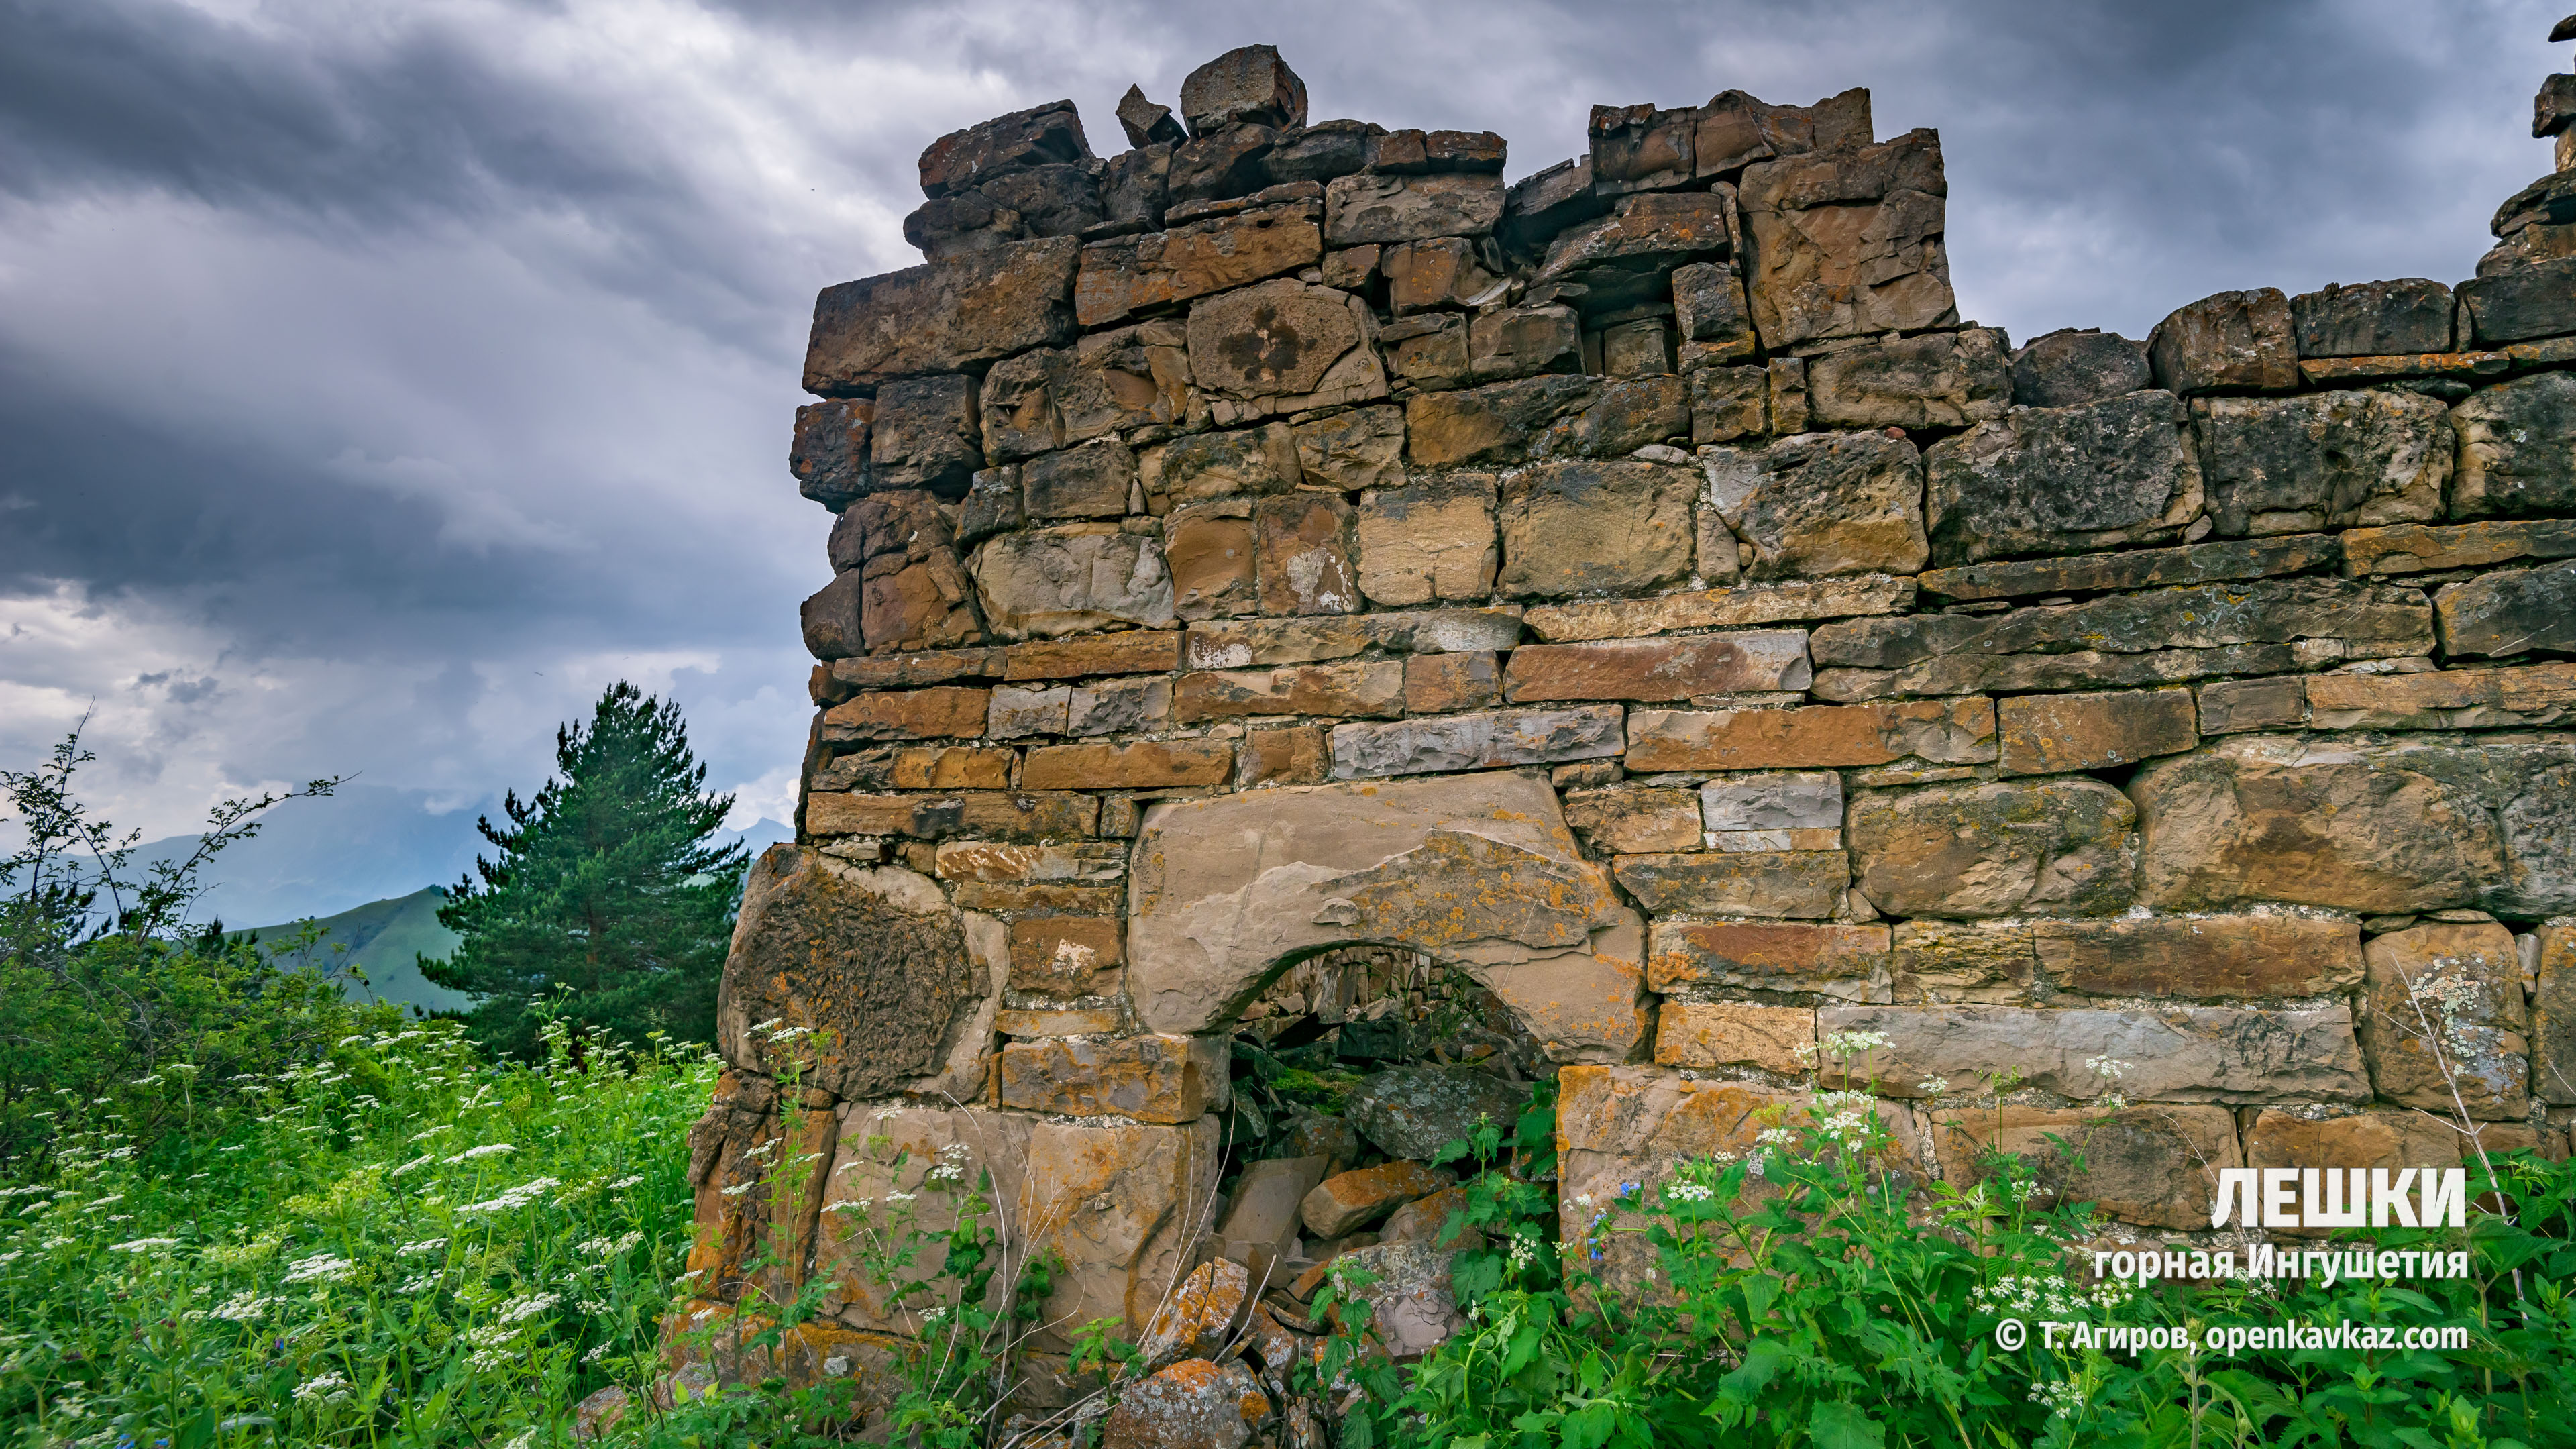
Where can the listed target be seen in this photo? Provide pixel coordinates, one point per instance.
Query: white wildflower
(321, 1268)
(320, 1386)
(425, 1245)
(142, 1245)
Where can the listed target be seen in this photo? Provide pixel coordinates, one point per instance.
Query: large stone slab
(1930, 380)
(1495, 423)
(2094, 475)
(2409, 548)
(2394, 1139)
(2050, 734)
(943, 316)
(1847, 243)
(1130, 274)
(1226, 891)
(2077, 365)
(2541, 694)
(1956, 731)
(1801, 884)
(1482, 741)
(1376, 208)
(2200, 563)
(1846, 961)
(2230, 341)
(1415, 1111)
(2553, 1015)
(1823, 503)
(1576, 527)
(1283, 347)
(2156, 1166)
(2514, 454)
(2380, 827)
(1707, 1034)
(2443, 1023)
(2201, 956)
(872, 957)
(1072, 580)
(2046, 847)
(2510, 611)
(1247, 642)
(1173, 1079)
(1987, 963)
(1733, 608)
(1659, 669)
(2174, 1054)
(2323, 460)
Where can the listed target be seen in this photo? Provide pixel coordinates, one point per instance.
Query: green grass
(410, 1247)
(382, 941)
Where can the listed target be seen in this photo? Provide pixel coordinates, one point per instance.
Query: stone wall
(1638, 588)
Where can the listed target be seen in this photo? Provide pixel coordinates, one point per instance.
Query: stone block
(2510, 611)
(1249, 85)
(915, 714)
(1983, 962)
(1425, 352)
(1196, 1402)
(1242, 643)
(1020, 710)
(1622, 418)
(1040, 136)
(2519, 303)
(1004, 814)
(1443, 272)
(2234, 706)
(1072, 580)
(1627, 259)
(1511, 342)
(992, 505)
(1302, 547)
(913, 591)
(2542, 694)
(1483, 741)
(1643, 348)
(1146, 122)
(1298, 755)
(1174, 1079)
(2368, 1138)
(2417, 823)
(1636, 147)
(1349, 1201)
(1255, 461)
(1930, 380)
(1218, 172)
(1493, 423)
(1957, 731)
(1321, 151)
(1385, 209)
(1201, 1318)
(829, 618)
(1136, 185)
(1126, 275)
(2053, 734)
(985, 860)
(1263, 1214)
(1772, 801)
(1091, 481)
(1709, 1034)
(2227, 342)
(1143, 765)
(2053, 847)
(2202, 956)
(1736, 129)
(1066, 956)
(1446, 683)
(1574, 527)
(1362, 690)
(2153, 1165)
(2513, 455)
(1351, 451)
(2442, 1014)
(952, 767)
(2324, 460)
(1424, 1220)
(1427, 541)
(2063, 480)
(830, 453)
(2077, 365)
(1771, 603)
(2172, 1054)
(1793, 884)
(943, 316)
(1633, 820)
(2252, 558)
(1709, 310)
(1414, 1111)
(2553, 1015)
(1847, 243)
(1282, 347)
(1136, 651)
(873, 957)
(1849, 962)
(1728, 403)
(1828, 503)
(2408, 548)
(1659, 669)
(1208, 548)
(2373, 319)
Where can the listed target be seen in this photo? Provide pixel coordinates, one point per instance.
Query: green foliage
(601, 885)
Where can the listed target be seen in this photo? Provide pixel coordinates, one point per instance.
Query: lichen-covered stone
(2323, 460)
(1493, 423)
(943, 316)
(830, 453)
(2553, 1014)
(1659, 669)
(2373, 319)
(2541, 694)
(1630, 820)
(1800, 884)
(1958, 731)
(1930, 380)
(1126, 275)
(1576, 527)
(2510, 611)
(2442, 1015)
(2153, 1165)
(2230, 341)
(1416, 1111)
(1150, 1078)
(2063, 480)
(1302, 548)
(1347, 1201)
(1706, 1034)
(2172, 1054)
(2514, 454)
(1370, 689)
(1730, 608)
(1071, 580)
(2251, 558)
(1481, 741)
(2201, 956)
(1824, 503)
(2051, 847)
(2407, 548)
(1848, 243)
(2051, 734)
(1846, 961)
(1208, 548)
(1282, 347)
(1628, 257)
(1382, 209)
(1413, 1307)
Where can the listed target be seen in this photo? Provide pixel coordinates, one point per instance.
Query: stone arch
(1228, 891)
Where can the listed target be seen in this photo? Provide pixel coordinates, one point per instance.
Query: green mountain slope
(382, 938)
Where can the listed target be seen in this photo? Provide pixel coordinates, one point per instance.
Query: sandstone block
(1249, 85)
(1577, 527)
(1850, 962)
(1302, 547)
(1175, 1079)
(1584, 1003)
(1008, 815)
(1429, 540)
(950, 767)
(1736, 129)
(1118, 706)
(1847, 243)
(992, 505)
(2368, 1138)
(895, 671)
(1040, 136)
(2055, 847)
(1262, 1216)
(1424, 1220)
(1145, 122)
(1247, 642)
(1709, 310)
(1509, 342)
(1140, 651)
(1960, 731)
(916, 714)
(912, 591)
(1623, 417)
(2077, 365)
(2510, 611)
(1723, 608)
(2442, 1012)
(2154, 1165)
(1282, 347)
(2513, 454)
(1064, 581)
(1728, 403)
(1627, 259)
(2063, 480)
(2173, 1054)
(942, 316)
(2325, 460)
(1143, 765)
(873, 957)
(1348, 1201)
(1628, 820)
(2518, 303)
(2230, 341)
(2233, 706)
(1413, 1112)
(2407, 548)
(2553, 1016)
(2373, 319)
(1382, 209)
(1930, 380)
(2051, 734)
(1426, 351)
(1797, 884)
(1446, 683)
(1131, 274)
(829, 618)
(1659, 669)
(1194, 1404)
(1963, 961)
(1221, 465)
(2383, 828)
(830, 453)
(1840, 503)
(925, 435)
(2542, 694)
(1493, 423)
(1641, 146)
(1477, 741)
(1066, 956)
(1443, 272)
(985, 860)
(1091, 481)
(1135, 186)
(1707, 1034)
(1351, 451)
(2203, 956)
(1208, 547)
(2251, 558)
(1018, 710)
(1298, 755)
(1370, 690)
(1643, 348)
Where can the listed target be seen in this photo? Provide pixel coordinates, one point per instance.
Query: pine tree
(603, 884)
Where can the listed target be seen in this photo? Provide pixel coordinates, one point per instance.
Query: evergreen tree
(604, 885)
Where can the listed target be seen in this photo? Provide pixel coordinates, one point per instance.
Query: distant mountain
(384, 941)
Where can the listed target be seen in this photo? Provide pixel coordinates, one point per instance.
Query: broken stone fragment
(2077, 365)
(2232, 341)
(1708, 310)
(2172, 1054)
(1624, 418)
(1415, 1111)
(1254, 461)
(1262, 1217)
(1539, 206)
(1736, 129)
(1194, 1404)
(1090, 481)
(1145, 121)
(1413, 1307)
(1249, 85)
(1628, 820)
(1641, 147)
(1202, 1317)
(1352, 451)
(1442, 272)
(1848, 243)
(1348, 1201)
(1627, 259)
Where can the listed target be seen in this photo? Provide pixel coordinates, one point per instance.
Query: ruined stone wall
(1637, 587)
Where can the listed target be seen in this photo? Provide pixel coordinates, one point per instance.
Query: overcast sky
(378, 380)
